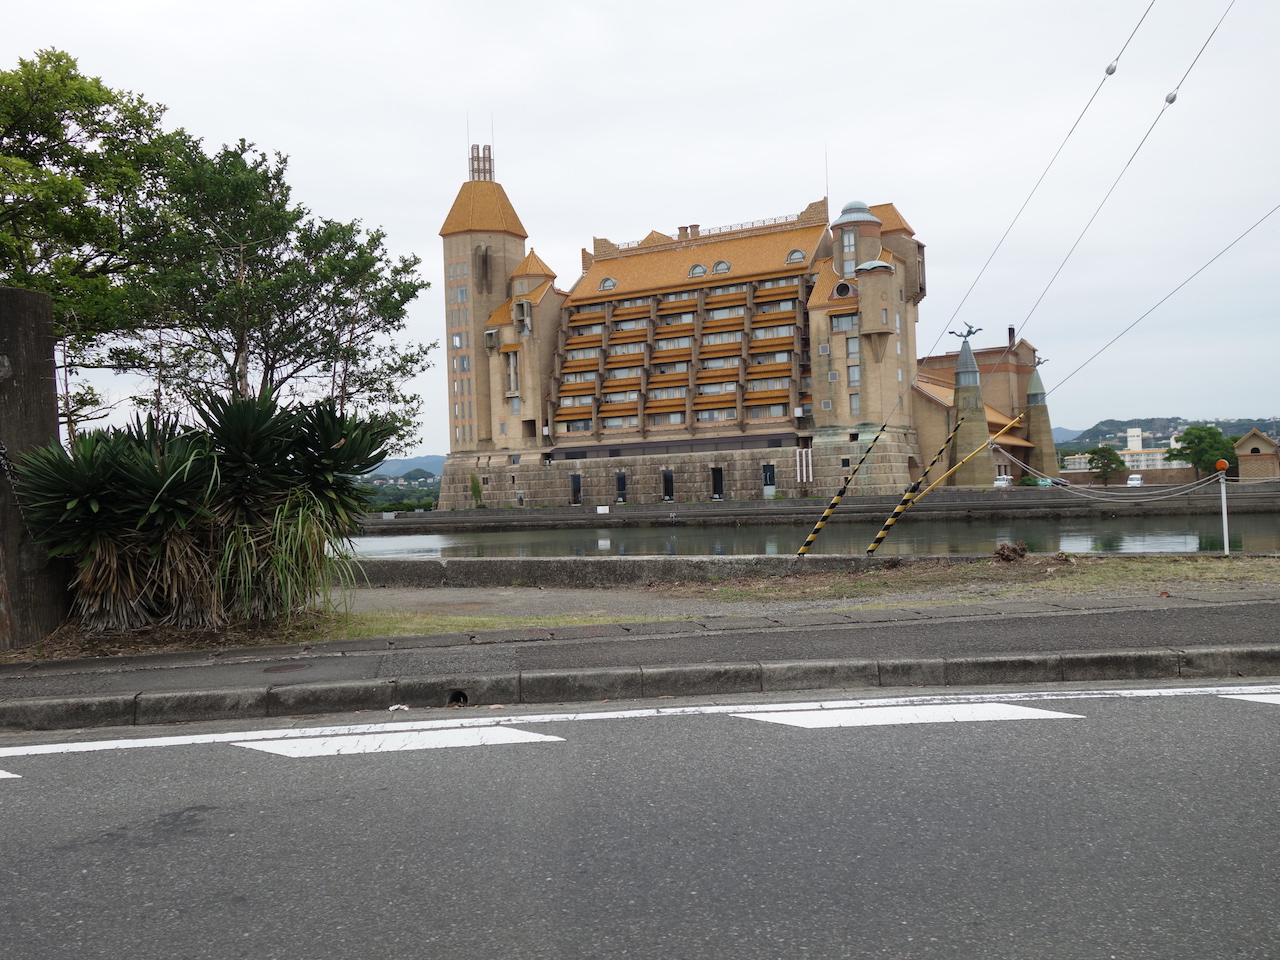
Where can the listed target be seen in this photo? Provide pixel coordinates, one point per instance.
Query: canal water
(1250, 533)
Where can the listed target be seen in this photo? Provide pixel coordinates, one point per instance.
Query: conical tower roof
(533, 266)
(482, 207)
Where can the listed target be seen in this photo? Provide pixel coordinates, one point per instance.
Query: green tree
(195, 271)
(1105, 464)
(1202, 447)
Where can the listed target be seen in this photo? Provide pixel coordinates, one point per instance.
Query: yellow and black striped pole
(835, 501)
(913, 490)
(916, 498)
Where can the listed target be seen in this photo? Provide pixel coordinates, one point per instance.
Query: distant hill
(398, 468)
(1062, 435)
(1156, 431)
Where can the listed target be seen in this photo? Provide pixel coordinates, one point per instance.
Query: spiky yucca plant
(244, 518)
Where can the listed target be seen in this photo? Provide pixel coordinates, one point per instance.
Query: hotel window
(616, 423)
(675, 319)
(673, 343)
(724, 313)
(826, 404)
(855, 405)
(583, 377)
(884, 316)
(720, 266)
(622, 396)
(844, 322)
(623, 373)
(582, 353)
(796, 256)
(464, 364)
(855, 375)
(782, 356)
(680, 366)
(899, 348)
(680, 295)
(639, 324)
(851, 347)
(718, 414)
(668, 393)
(782, 281)
(824, 349)
(502, 427)
(583, 400)
(897, 322)
(777, 306)
(632, 302)
(727, 336)
(665, 419)
(833, 376)
(697, 270)
(719, 363)
(770, 410)
(850, 243)
(728, 288)
(772, 383)
(462, 294)
(586, 330)
(608, 283)
(456, 340)
(711, 389)
(513, 372)
(899, 374)
(515, 405)
(622, 349)
(772, 333)
(575, 426)
(589, 308)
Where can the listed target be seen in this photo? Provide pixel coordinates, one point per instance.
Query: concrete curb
(618, 683)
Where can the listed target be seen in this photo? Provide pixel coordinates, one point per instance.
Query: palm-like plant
(246, 517)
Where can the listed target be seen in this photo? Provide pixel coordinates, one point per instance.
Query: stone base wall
(535, 482)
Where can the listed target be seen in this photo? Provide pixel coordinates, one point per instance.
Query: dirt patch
(900, 583)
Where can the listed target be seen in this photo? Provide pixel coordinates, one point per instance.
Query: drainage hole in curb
(457, 698)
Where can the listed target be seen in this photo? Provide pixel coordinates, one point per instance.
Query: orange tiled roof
(482, 207)
(751, 255)
(533, 266)
(820, 297)
(891, 220)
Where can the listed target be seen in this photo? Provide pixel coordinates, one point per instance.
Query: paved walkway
(670, 647)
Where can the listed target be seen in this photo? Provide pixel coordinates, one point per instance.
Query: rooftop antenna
(826, 173)
(481, 162)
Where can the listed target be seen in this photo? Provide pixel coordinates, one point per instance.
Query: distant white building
(1135, 458)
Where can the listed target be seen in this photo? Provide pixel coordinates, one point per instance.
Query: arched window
(720, 267)
(697, 270)
(796, 256)
(608, 283)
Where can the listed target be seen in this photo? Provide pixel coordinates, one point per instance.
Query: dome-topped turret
(855, 212)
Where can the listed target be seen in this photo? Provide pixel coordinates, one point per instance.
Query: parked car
(1059, 482)
(1135, 480)
(1004, 480)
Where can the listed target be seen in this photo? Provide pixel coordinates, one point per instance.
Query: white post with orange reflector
(1222, 487)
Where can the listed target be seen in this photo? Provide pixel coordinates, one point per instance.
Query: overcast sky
(613, 119)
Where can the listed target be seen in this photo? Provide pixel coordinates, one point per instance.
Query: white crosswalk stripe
(884, 716)
(391, 742)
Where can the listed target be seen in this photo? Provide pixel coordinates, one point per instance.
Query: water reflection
(1255, 533)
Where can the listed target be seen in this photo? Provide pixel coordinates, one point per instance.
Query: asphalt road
(1075, 823)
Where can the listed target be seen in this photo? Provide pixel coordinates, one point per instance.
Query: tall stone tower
(1044, 455)
(973, 432)
(483, 246)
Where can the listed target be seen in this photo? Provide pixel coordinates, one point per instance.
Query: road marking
(6, 775)
(885, 716)
(390, 742)
(458, 722)
(1255, 697)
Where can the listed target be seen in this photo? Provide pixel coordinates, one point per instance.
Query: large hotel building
(741, 362)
